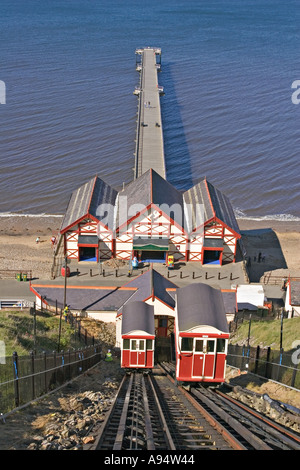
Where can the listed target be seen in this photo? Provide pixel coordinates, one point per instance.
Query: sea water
(227, 69)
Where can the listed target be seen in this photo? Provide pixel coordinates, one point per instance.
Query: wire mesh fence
(25, 378)
(278, 365)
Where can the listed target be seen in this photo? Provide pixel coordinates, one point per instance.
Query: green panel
(150, 248)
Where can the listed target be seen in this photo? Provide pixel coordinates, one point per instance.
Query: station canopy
(151, 244)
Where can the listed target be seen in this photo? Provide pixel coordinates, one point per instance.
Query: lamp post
(64, 304)
(281, 336)
(248, 341)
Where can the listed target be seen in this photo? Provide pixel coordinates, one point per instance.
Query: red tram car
(138, 335)
(201, 334)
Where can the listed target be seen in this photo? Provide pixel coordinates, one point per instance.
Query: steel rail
(122, 423)
(165, 428)
(148, 425)
(99, 431)
(228, 437)
(289, 438)
(253, 440)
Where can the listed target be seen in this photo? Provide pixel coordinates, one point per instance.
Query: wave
(276, 217)
(239, 214)
(17, 214)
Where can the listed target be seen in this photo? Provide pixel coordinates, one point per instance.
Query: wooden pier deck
(149, 152)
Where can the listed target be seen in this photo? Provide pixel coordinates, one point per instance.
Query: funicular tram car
(201, 334)
(138, 335)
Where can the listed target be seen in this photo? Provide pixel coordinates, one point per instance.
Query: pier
(149, 150)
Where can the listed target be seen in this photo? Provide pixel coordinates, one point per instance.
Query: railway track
(256, 431)
(252, 429)
(150, 412)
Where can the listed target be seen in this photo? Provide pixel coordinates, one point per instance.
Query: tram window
(142, 345)
(187, 344)
(199, 345)
(133, 345)
(149, 344)
(210, 346)
(221, 345)
(126, 344)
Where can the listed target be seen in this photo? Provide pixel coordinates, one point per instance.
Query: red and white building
(155, 221)
(149, 219)
(213, 229)
(86, 236)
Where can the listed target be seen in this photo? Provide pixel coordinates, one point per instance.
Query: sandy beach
(277, 242)
(18, 247)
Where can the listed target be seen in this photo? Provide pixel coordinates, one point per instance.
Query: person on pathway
(108, 357)
(66, 312)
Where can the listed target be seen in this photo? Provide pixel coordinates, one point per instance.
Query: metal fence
(25, 378)
(276, 365)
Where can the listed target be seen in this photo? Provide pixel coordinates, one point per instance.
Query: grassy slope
(16, 330)
(267, 333)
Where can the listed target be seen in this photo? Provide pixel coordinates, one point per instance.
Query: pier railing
(138, 128)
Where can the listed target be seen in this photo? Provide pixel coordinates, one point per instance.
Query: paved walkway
(183, 274)
(89, 274)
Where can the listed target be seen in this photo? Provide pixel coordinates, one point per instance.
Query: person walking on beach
(37, 240)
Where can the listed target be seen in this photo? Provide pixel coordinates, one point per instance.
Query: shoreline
(276, 240)
(30, 224)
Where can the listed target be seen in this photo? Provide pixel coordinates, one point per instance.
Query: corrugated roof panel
(87, 199)
(138, 316)
(214, 203)
(223, 208)
(78, 204)
(200, 304)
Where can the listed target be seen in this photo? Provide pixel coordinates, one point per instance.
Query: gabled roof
(200, 304)
(85, 201)
(138, 316)
(200, 204)
(93, 298)
(151, 188)
(214, 204)
(152, 284)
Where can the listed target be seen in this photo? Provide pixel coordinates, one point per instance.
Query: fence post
(54, 367)
(32, 375)
(267, 363)
(45, 370)
(279, 363)
(63, 365)
(256, 359)
(34, 327)
(16, 378)
(294, 375)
